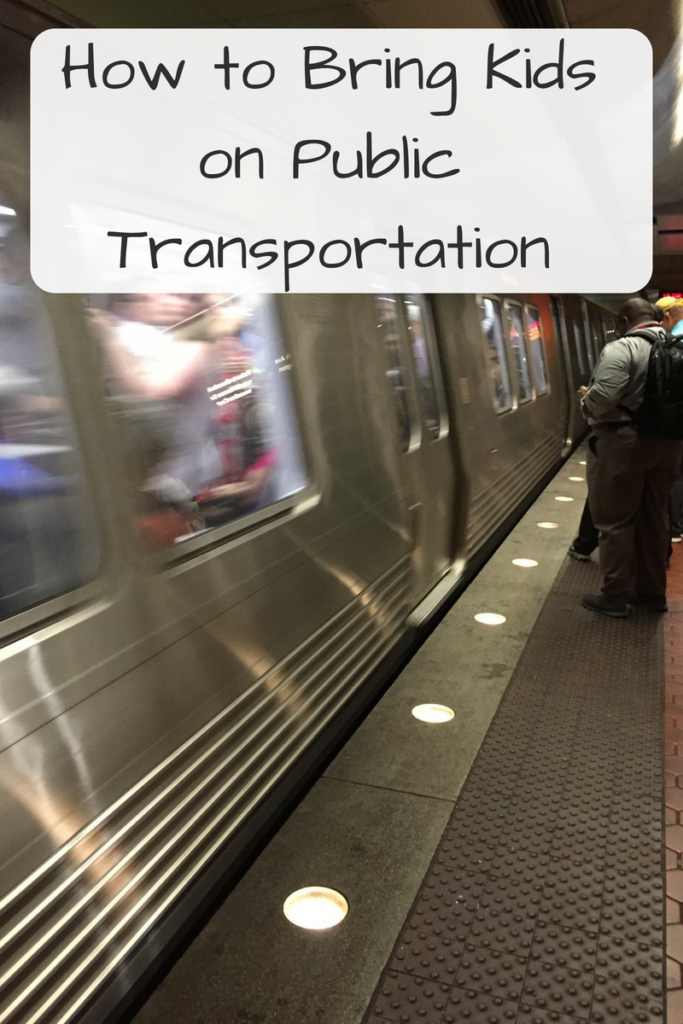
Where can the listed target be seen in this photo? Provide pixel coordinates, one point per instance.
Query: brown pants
(629, 482)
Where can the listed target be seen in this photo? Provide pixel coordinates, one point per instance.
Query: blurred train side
(504, 455)
(153, 718)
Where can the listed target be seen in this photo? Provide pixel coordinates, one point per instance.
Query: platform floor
(504, 866)
(673, 743)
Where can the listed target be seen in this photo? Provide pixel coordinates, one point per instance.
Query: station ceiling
(660, 20)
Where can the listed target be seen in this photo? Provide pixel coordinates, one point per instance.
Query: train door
(566, 364)
(414, 375)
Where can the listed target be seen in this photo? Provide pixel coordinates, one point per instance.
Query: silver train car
(222, 523)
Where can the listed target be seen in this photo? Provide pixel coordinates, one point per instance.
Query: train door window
(389, 326)
(608, 331)
(200, 388)
(518, 345)
(48, 539)
(426, 364)
(559, 327)
(496, 352)
(578, 344)
(587, 334)
(535, 336)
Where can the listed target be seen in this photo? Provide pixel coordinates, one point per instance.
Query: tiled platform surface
(544, 901)
(673, 740)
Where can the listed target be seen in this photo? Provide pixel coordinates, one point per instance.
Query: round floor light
(435, 714)
(547, 526)
(315, 908)
(525, 563)
(576, 479)
(562, 497)
(490, 618)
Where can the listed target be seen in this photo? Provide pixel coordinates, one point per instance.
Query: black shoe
(607, 604)
(580, 554)
(649, 602)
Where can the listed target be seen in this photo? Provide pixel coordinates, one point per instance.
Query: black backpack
(660, 414)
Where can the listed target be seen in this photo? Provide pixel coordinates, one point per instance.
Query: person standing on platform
(629, 475)
(587, 539)
(671, 310)
(672, 321)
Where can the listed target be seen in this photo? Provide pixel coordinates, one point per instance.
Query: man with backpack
(634, 405)
(671, 310)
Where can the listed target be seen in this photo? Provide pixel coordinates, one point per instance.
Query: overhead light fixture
(315, 908)
(490, 618)
(562, 497)
(577, 479)
(435, 714)
(583, 463)
(524, 563)
(547, 526)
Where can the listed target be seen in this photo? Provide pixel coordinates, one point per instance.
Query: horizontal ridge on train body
(92, 903)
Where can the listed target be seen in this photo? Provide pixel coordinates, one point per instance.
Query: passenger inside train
(205, 416)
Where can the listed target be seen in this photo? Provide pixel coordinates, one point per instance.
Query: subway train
(223, 519)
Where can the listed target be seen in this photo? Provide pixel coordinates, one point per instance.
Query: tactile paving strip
(544, 903)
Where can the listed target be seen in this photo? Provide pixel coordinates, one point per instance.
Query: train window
(535, 336)
(587, 334)
(608, 331)
(389, 326)
(48, 541)
(559, 325)
(597, 341)
(518, 344)
(200, 389)
(578, 344)
(425, 359)
(497, 360)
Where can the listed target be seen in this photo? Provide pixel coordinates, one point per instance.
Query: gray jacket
(619, 377)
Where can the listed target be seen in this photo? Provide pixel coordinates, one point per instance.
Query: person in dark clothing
(629, 475)
(677, 509)
(671, 312)
(587, 538)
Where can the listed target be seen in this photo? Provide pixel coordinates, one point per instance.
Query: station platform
(506, 865)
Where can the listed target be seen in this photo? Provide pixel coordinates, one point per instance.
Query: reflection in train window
(425, 361)
(497, 361)
(390, 332)
(200, 389)
(535, 336)
(578, 344)
(518, 344)
(48, 543)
